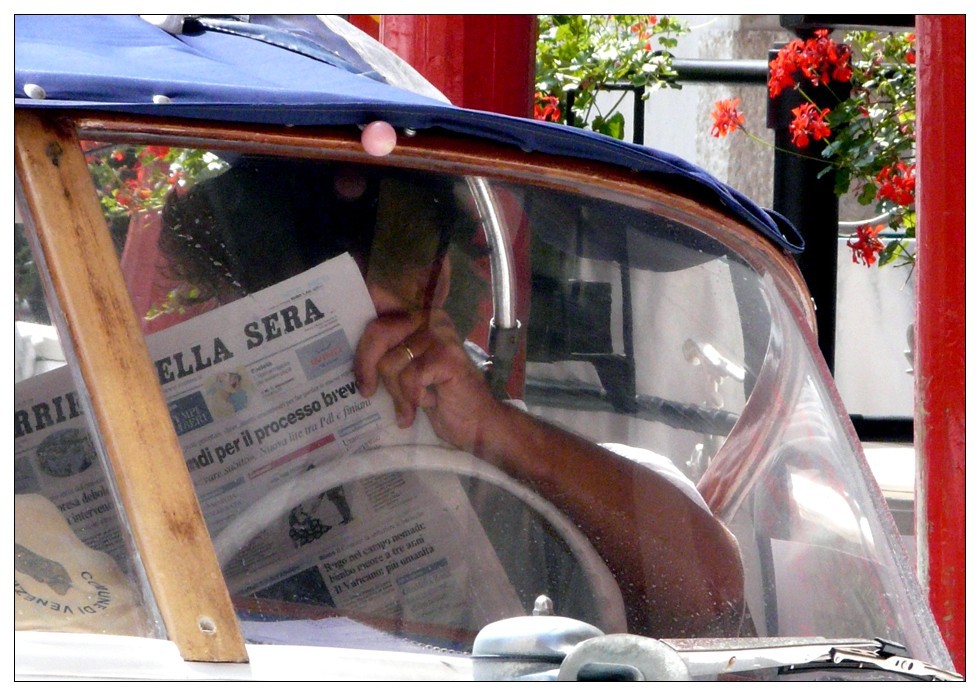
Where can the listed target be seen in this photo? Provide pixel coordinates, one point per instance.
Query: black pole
(639, 116)
(808, 200)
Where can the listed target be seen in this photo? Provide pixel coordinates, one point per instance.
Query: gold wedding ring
(411, 355)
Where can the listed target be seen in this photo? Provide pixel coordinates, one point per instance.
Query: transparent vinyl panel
(821, 551)
(75, 569)
(260, 283)
(643, 332)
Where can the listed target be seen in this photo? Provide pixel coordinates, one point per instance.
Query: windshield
(354, 500)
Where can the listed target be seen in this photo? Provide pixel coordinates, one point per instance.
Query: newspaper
(261, 391)
(54, 456)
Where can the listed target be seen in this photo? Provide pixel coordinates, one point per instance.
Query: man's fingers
(413, 355)
(380, 337)
(398, 369)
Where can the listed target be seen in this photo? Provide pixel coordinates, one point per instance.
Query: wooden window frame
(111, 355)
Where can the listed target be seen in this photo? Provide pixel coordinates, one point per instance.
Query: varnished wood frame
(147, 463)
(157, 493)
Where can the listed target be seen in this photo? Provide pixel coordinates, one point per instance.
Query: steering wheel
(426, 458)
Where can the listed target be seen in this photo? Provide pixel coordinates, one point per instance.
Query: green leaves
(614, 125)
(874, 129)
(585, 53)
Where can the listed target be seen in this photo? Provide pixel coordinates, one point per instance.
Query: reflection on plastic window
(72, 568)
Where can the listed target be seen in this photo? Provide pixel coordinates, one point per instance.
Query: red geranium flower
(808, 123)
(866, 246)
(642, 30)
(819, 60)
(546, 107)
(727, 117)
(897, 183)
(782, 70)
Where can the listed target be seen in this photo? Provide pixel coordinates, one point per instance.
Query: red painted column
(481, 62)
(369, 24)
(940, 345)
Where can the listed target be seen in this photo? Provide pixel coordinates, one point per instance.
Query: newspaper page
(55, 457)
(262, 391)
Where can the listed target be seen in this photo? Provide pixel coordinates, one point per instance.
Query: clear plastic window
(342, 519)
(74, 566)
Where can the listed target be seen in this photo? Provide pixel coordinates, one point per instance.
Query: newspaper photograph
(261, 392)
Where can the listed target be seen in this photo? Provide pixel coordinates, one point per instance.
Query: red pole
(369, 24)
(481, 62)
(940, 345)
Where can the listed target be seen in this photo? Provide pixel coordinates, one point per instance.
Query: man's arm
(677, 566)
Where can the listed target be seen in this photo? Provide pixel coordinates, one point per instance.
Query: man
(677, 566)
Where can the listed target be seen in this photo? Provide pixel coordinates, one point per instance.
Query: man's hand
(420, 359)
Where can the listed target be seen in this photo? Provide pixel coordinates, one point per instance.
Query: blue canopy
(291, 71)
